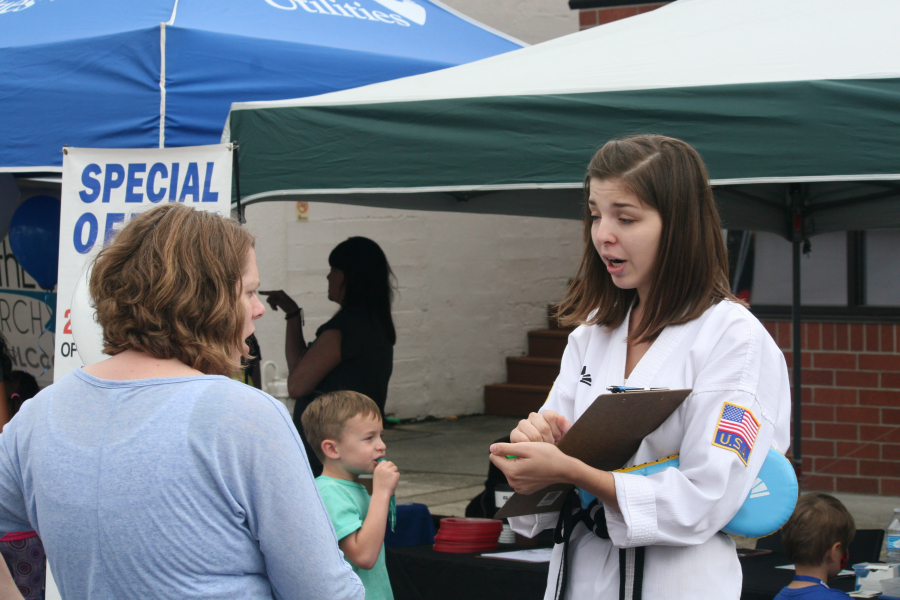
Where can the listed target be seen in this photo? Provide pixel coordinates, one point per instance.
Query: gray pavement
(443, 464)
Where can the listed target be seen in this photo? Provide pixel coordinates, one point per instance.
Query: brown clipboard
(605, 437)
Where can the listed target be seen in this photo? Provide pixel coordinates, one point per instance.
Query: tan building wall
(531, 21)
(470, 286)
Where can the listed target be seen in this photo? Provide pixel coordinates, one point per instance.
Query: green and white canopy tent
(794, 105)
(788, 102)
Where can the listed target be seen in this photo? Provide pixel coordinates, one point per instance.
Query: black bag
(483, 505)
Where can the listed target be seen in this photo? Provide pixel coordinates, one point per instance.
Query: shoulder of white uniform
(733, 320)
(580, 338)
(585, 331)
(740, 315)
(744, 343)
(731, 310)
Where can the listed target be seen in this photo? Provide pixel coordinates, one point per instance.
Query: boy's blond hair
(819, 520)
(327, 416)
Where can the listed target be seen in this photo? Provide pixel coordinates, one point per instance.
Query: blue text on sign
(159, 182)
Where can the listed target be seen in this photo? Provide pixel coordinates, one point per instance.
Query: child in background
(344, 428)
(23, 551)
(816, 539)
(20, 386)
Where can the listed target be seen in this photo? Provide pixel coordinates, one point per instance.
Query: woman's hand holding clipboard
(605, 437)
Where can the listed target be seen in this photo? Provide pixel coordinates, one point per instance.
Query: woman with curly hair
(152, 474)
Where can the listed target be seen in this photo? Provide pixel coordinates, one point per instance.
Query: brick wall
(591, 17)
(851, 404)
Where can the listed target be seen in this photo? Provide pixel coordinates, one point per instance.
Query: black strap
(631, 573)
(639, 573)
(569, 518)
(631, 560)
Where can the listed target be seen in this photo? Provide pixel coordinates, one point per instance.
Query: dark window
(844, 275)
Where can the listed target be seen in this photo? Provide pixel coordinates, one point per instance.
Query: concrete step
(532, 370)
(547, 343)
(514, 400)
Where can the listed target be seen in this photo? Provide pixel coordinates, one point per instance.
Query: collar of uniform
(645, 371)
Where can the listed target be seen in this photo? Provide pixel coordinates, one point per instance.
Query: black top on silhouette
(367, 356)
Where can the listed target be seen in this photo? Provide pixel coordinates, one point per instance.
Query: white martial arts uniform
(724, 356)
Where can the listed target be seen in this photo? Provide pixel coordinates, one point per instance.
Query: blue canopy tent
(157, 73)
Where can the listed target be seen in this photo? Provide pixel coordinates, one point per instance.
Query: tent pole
(797, 197)
(795, 317)
(236, 170)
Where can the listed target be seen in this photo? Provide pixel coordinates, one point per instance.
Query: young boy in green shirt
(344, 428)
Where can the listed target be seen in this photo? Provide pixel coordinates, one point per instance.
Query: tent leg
(796, 322)
(236, 170)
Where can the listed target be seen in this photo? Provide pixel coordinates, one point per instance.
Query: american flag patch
(736, 431)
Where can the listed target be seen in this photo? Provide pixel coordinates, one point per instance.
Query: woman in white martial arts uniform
(654, 309)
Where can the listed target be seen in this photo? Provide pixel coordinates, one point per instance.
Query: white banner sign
(101, 190)
(25, 318)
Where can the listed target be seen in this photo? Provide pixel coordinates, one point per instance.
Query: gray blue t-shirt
(180, 487)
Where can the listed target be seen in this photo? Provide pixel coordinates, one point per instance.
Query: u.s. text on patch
(736, 431)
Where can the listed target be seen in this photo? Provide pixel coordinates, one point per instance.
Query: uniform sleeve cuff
(634, 524)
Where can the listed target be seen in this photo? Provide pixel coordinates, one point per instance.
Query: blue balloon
(34, 238)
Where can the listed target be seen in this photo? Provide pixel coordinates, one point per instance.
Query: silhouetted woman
(354, 350)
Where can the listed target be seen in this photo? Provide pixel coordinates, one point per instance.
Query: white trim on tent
(162, 81)
(805, 40)
(417, 190)
(448, 189)
(810, 179)
(31, 169)
(171, 20)
(56, 180)
(162, 75)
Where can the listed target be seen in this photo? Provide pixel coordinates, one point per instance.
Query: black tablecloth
(420, 573)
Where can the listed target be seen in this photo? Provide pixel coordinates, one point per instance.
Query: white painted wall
(471, 286)
(531, 21)
(823, 272)
(882, 283)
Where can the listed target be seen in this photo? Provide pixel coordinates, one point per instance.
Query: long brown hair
(690, 273)
(169, 285)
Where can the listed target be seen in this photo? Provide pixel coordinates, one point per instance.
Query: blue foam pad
(768, 506)
(771, 500)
